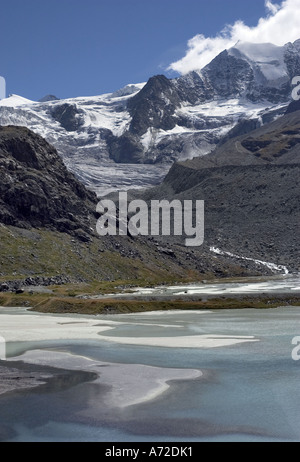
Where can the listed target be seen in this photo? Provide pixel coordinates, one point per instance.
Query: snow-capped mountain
(163, 120)
(257, 72)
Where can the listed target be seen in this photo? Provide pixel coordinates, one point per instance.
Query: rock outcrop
(37, 190)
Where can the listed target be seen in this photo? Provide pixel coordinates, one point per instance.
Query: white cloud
(272, 7)
(281, 25)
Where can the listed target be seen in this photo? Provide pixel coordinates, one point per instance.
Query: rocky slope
(36, 189)
(251, 190)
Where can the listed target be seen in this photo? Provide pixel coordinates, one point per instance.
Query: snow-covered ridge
(15, 101)
(105, 111)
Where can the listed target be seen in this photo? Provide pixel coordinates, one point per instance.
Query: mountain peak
(15, 100)
(48, 98)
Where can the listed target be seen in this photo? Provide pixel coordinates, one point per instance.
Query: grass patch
(53, 304)
(41, 252)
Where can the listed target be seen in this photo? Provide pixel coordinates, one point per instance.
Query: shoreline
(122, 298)
(148, 303)
(110, 388)
(122, 390)
(57, 304)
(17, 376)
(23, 326)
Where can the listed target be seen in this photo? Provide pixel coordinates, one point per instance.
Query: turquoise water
(249, 392)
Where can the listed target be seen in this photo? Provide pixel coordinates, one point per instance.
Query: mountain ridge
(163, 120)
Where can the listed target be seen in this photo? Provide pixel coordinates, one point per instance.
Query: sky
(75, 48)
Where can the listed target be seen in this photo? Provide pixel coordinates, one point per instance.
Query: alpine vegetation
(296, 89)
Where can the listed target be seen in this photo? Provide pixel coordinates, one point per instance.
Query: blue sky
(76, 48)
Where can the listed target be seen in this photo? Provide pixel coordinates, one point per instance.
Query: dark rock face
(17, 285)
(68, 116)
(37, 190)
(292, 58)
(242, 128)
(228, 75)
(250, 186)
(293, 107)
(250, 211)
(154, 106)
(194, 88)
(48, 98)
(126, 149)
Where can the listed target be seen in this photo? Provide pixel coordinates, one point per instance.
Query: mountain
(251, 188)
(163, 120)
(14, 101)
(48, 98)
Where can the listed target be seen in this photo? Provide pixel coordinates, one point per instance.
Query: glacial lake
(247, 392)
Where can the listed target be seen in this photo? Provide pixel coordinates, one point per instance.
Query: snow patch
(271, 266)
(128, 90)
(15, 100)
